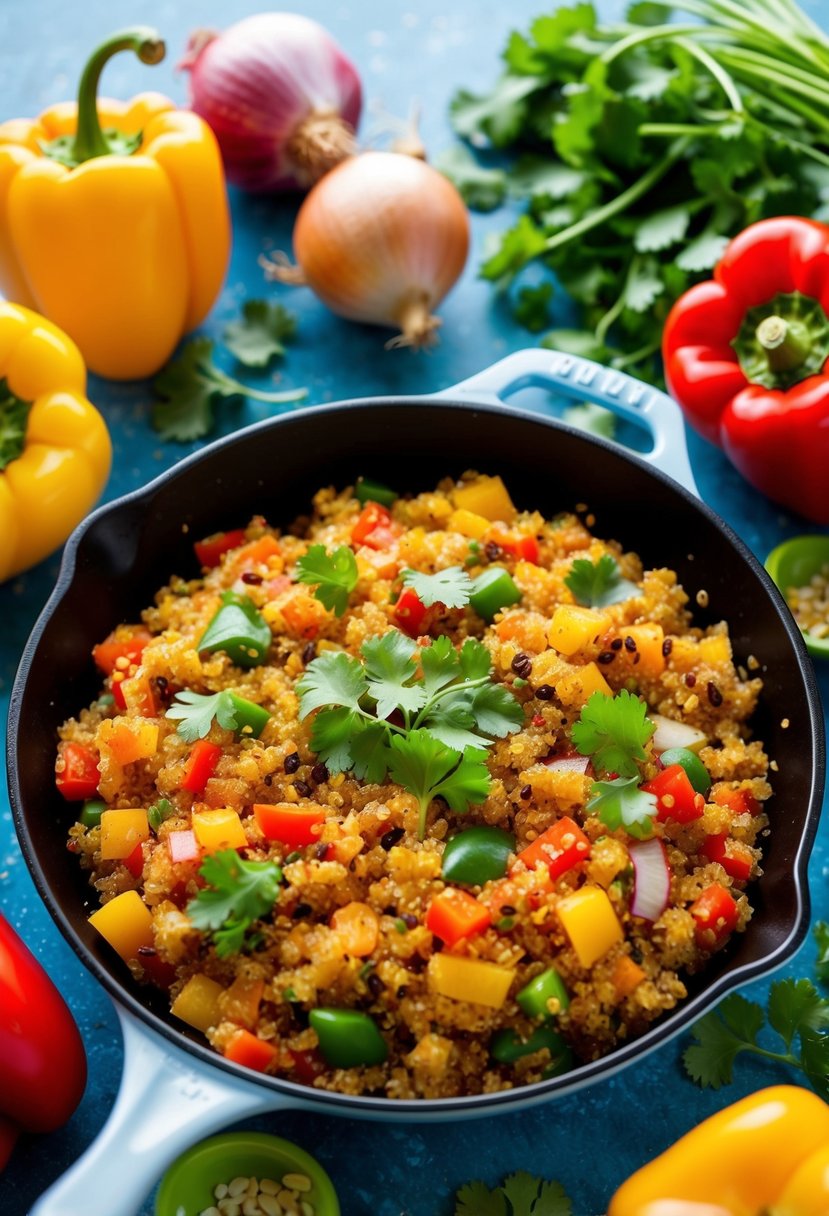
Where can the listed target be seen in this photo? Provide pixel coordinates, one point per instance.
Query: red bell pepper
(734, 856)
(200, 766)
(76, 774)
(375, 527)
(715, 913)
(745, 355)
(42, 1058)
(410, 612)
(455, 914)
(560, 847)
(676, 798)
(209, 552)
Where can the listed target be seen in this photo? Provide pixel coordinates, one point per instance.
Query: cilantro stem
(779, 1057)
(723, 79)
(621, 202)
(638, 356)
(244, 390)
(446, 692)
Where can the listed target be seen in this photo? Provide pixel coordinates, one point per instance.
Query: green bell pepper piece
(548, 986)
(493, 590)
(91, 812)
(506, 1046)
(348, 1038)
(367, 490)
(251, 719)
(477, 854)
(695, 770)
(239, 629)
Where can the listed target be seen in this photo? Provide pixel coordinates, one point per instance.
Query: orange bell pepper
(767, 1152)
(114, 220)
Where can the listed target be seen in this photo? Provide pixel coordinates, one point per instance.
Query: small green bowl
(792, 564)
(187, 1187)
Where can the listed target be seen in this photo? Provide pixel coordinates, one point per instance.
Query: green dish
(792, 564)
(187, 1187)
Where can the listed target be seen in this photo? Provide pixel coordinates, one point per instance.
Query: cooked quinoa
(350, 925)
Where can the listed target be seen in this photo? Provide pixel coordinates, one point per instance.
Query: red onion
(652, 882)
(567, 764)
(282, 99)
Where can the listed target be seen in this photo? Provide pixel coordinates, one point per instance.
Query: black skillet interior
(116, 562)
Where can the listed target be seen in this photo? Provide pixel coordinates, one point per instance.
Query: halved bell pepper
(114, 220)
(55, 451)
(767, 1152)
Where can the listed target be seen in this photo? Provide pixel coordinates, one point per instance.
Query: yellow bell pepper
(55, 451)
(768, 1152)
(126, 922)
(122, 235)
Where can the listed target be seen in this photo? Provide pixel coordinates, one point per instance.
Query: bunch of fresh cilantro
(639, 148)
(520, 1194)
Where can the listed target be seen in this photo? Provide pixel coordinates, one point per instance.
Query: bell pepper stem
(786, 343)
(90, 141)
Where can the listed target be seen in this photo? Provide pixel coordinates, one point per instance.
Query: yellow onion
(380, 239)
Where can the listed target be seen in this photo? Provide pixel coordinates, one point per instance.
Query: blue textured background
(405, 52)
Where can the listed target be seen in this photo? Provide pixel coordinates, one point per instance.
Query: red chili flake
(538, 719)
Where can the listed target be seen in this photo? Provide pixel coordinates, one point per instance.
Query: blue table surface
(406, 53)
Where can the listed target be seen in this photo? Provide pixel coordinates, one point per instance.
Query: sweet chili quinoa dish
(424, 796)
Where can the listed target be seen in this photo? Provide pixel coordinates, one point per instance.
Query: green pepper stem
(90, 140)
(787, 344)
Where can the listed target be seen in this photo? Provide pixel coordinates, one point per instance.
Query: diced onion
(567, 764)
(670, 733)
(652, 879)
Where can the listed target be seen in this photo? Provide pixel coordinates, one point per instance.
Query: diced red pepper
(675, 796)
(135, 861)
(455, 914)
(209, 552)
(78, 778)
(200, 766)
(308, 1065)
(257, 553)
(162, 974)
(524, 547)
(245, 1048)
(409, 612)
(292, 825)
(734, 856)
(375, 527)
(121, 650)
(183, 846)
(740, 802)
(561, 847)
(715, 912)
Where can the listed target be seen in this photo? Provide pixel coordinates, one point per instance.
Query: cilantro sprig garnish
(797, 1014)
(261, 334)
(599, 584)
(334, 575)
(238, 893)
(520, 1194)
(196, 711)
(451, 587)
(424, 716)
(821, 934)
(621, 804)
(613, 731)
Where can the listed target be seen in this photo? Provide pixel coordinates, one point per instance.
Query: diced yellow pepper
(687, 653)
(590, 922)
(129, 739)
(486, 496)
(469, 979)
(573, 627)
(121, 831)
(578, 687)
(219, 829)
(648, 638)
(126, 922)
(468, 524)
(198, 1003)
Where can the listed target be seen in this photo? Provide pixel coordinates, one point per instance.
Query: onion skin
(282, 99)
(381, 239)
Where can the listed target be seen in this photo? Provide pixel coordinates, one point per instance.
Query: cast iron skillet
(175, 1089)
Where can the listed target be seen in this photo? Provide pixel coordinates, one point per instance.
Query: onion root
(318, 144)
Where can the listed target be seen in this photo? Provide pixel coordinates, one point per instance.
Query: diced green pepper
(251, 719)
(91, 812)
(506, 1046)
(348, 1038)
(367, 490)
(695, 770)
(493, 590)
(239, 629)
(534, 997)
(477, 854)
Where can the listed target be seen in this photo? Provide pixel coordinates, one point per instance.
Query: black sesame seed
(390, 838)
(526, 792)
(319, 773)
(374, 984)
(508, 910)
(545, 693)
(309, 652)
(292, 762)
(303, 789)
(667, 646)
(616, 644)
(690, 679)
(607, 656)
(522, 665)
(492, 550)
(300, 911)
(252, 578)
(630, 644)
(714, 694)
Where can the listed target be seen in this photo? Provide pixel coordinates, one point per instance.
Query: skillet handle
(167, 1101)
(583, 380)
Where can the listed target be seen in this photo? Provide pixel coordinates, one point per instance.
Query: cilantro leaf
(191, 384)
(451, 587)
(821, 932)
(613, 732)
(391, 667)
(531, 308)
(497, 117)
(335, 575)
(476, 661)
(662, 229)
(441, 664)
(452, 721)
(480, 188)
(195, 712)
(428, 768)
(621, 804)
(371, 751)
(261, 334)
(599, 584)
(520, 1194)
(475, 1199)
(333, 735)
(496, 711)
(720, 1037)
(238, 893)
(814, 1056)
(796, 1005)
(334, 678)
